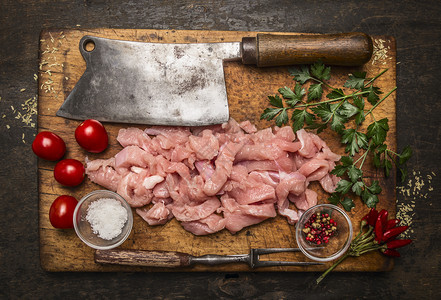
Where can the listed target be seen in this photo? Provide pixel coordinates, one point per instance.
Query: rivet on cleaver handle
(184, 84)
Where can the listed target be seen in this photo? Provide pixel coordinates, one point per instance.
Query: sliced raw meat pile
(224, 176)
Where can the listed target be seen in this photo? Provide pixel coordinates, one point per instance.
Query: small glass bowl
(84, 230)
(338, 243)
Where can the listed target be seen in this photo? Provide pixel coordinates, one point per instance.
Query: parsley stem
(324, 83)
(393, 152)
(363, 157)
(391, 157)
(379, 102)
(332, 100)
(375, 78)
(332, 267)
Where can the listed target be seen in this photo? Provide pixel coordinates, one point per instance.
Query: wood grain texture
(247, 88)
(344, 49)
(161, 259)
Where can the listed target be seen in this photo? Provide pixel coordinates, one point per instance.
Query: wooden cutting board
(61, 66)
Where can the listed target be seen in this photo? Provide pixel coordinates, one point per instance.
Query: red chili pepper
(392, 233)
(364, 220)
(383, 215)
(380, 225)
(392, 223)
(391, 252)
(398, 243)
(372, 217)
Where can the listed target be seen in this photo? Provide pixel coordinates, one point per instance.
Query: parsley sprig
(308, 110)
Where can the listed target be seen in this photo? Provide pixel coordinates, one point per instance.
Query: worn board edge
(387, 267)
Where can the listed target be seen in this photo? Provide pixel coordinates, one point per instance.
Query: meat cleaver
(184, 84)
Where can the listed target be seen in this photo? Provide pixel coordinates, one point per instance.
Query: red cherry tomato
(92, 136)
(69, 172)
(49, 146)
(62, 210)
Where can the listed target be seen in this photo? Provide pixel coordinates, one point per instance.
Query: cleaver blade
(184, 84)
(151, 83)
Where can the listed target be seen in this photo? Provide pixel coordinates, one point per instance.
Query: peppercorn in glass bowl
(324, 232)
(103, 219)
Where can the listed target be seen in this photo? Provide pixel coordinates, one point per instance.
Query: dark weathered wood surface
(417, 29)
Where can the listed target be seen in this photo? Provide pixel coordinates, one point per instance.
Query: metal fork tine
(260, 251)
(256, 262)
(270, 263)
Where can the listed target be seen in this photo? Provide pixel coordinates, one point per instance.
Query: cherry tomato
(69, 172)
(92, 136)
(62, 210)
(49, 146)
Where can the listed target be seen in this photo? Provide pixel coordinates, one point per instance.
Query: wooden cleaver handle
(163, 259)
(344, 49)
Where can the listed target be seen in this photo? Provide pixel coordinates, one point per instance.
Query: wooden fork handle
(163, 259)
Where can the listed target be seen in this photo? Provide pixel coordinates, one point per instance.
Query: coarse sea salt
(106, 217)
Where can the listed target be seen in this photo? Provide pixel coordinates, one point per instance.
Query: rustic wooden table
(417, 29)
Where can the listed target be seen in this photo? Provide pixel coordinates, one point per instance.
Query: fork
(171, 259)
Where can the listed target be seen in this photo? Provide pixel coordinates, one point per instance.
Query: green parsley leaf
(377, 131)
(369, 199)
(282, 118)
(317, 126)
(287, 93)
(374, 188)
(334, 198)
(357, 188)
(339, 170)
(387, 167)
(343, 186)
(403, 172)
(373, 95)
(347, 204)
(270, 113)
(327, 113)
(300, 117)
(359, 103)
(354, 140)
(337, 123)
(356, 80)
(292, 97)
(276, 101)
(354, 173)
(359, 118)
(323, 111)
(377, 159)
(347, 161)
(300, 74)
(381, 148)
(362, 140)
(348, 110)
(319, 71)
(405, 155)
(315, 91)
(336, 93)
